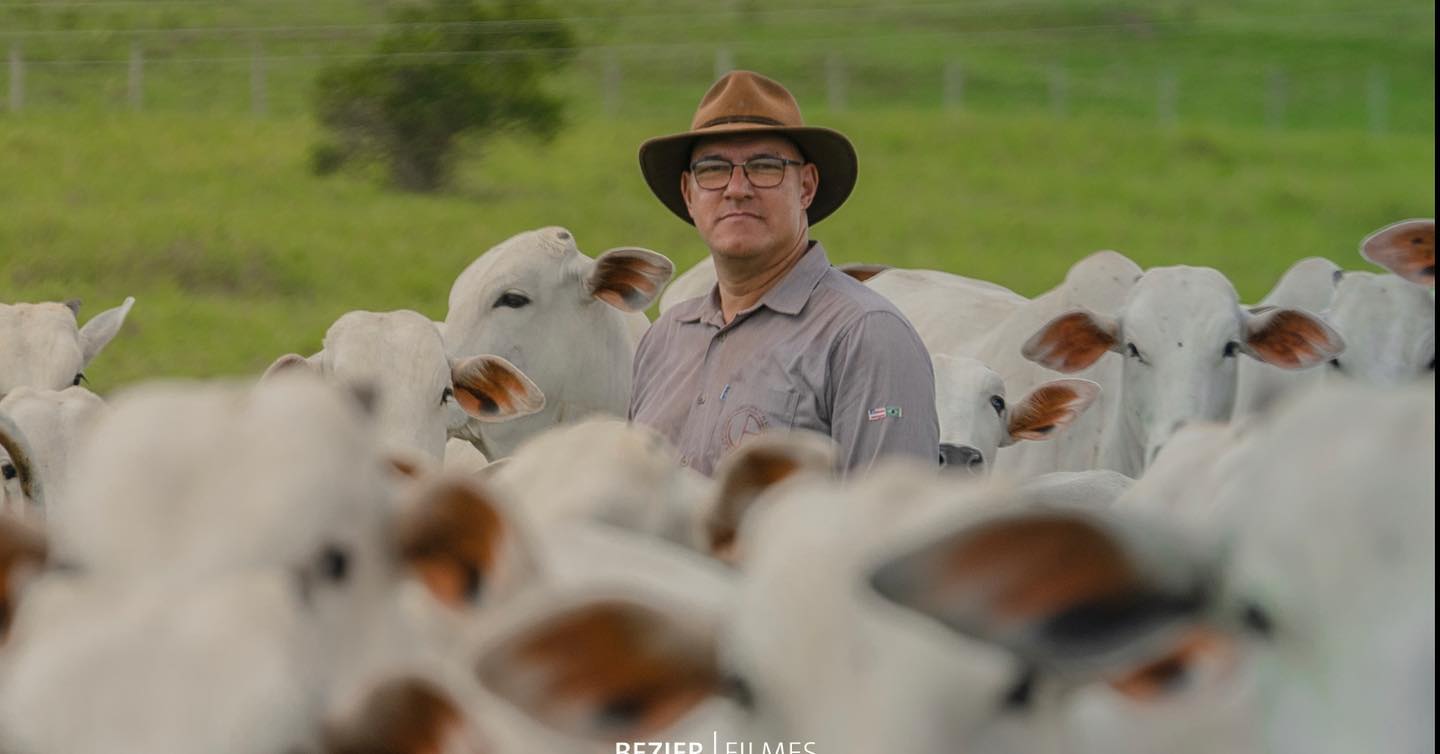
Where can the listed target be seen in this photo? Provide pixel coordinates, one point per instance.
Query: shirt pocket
(767, 410)
(781, 405)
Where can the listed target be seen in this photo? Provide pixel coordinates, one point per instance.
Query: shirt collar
(789, 296)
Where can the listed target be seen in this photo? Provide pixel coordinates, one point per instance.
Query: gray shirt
(819, 351)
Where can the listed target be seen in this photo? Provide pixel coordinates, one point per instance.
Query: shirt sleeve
(882, 393)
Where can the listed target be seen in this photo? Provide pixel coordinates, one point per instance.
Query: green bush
(447, 71)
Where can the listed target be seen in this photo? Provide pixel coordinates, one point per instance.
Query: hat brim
(664, 158)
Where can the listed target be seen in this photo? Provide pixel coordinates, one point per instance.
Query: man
(783, 340)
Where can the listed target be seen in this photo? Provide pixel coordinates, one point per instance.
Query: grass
(237, 254)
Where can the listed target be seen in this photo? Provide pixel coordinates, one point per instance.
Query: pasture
(236, 253)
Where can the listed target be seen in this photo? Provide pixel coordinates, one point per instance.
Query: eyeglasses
(763, 172)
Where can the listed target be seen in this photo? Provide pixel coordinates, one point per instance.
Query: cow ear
(492, 389)
(863, 272)
(629, 279)
(605, 669)
(20, 464)
(1200, 651)
(1072, 341)
(1050, 408)
(101, 329)
(1059, 588)
(1404, 248)
(751, 469)
(23, 552)
(459, 541)
(1290, 339)
(404, 715)
(292, 361)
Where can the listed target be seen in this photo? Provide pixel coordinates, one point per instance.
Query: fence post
(1276, 93)
(1378, 95)
(724, 62)
(17, 79)
(259, 96)
(137, 76)
(1059, 91)
(1167, 98)
(954, 86)
(611, 75)
(835, 82)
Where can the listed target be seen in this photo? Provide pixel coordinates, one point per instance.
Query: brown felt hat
(742, 102)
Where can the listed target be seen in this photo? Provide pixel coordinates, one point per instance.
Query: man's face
(741, 220)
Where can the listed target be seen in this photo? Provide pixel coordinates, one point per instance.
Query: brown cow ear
(457, 539)
(1060, 589)
(752, 468)
(1191, 654)
(1050, 408)
(629, 279)
(23, 552)
(606, 669)
(1072, 341)
(492, 389)
(400, 716)
(1404, 248)
(863, 272)
(1290, 339)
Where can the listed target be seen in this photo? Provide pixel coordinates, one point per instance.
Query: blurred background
(251, 169)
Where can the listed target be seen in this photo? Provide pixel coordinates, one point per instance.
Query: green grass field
(237, 254)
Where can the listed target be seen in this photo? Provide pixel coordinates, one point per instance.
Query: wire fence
(269, 70)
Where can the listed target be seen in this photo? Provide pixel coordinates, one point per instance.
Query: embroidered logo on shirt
(876, 414)
(744, 422)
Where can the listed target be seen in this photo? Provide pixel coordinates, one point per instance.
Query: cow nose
(961, 457)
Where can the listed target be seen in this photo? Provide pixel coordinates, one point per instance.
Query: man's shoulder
(852, 300)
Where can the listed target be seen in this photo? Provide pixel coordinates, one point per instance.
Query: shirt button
(685, 461)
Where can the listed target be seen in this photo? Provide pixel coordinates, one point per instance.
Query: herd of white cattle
(1161, 521)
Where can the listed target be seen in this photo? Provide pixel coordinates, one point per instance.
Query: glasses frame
(785, 163)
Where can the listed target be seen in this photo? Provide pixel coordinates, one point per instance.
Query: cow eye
(79, 378)
(1257, 621)
(998, 404)
(8, 471)
(1335, 364)
(1432, 364)
(738, 689)
(334, 564)
(446, 395)
(511, 300)
(1231, 349)
(1134, 352)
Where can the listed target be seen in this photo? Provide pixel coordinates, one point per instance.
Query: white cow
(1386, 322)
(1099, 283)
(54, 423)
(1331, 567)
(811, 656)
(976, 421)
(568, 321)
(1406, 248)
(421, 396)
(41, 346)
(629, 615)
(1180, 331)
(260, 521)
(628, 476)
(952, 313)
(201, 517)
